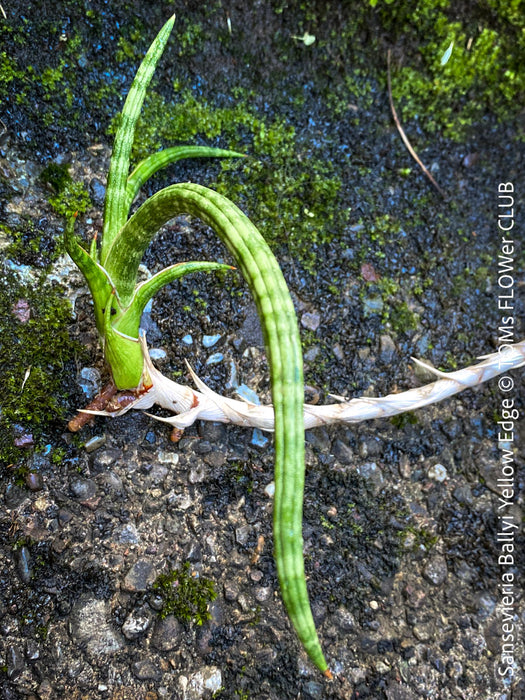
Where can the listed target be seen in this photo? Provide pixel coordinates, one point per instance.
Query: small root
(176, 434)
(99, 403)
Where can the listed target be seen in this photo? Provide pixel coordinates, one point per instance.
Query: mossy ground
(185, 595)
(37, 358)
(292, 184)
(69, 198)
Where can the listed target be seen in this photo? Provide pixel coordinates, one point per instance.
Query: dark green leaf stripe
(116, 210)
(263, 275)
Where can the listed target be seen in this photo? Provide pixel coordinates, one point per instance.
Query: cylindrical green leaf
(264, 277)
(150, 165)
(115, 208)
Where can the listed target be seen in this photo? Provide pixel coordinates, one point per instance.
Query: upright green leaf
(116, 209)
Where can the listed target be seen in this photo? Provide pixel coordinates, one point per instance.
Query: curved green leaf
(99, 282)
(150, 165)
(264, 277)
(122, 352)
(128, 321)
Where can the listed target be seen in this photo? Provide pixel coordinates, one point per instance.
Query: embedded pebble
(310, 321)
(197, 474)
(248, 394)
(437, 472)
(215, 358)
(146, 670)
(338, 352)
(242, 534)
(168, 457)
(231, 591)
(404, 466)
(269, 490)
(454, 669)
(96, 187)
(372, 473)
(314, 690)
(32, 650)
(435, 570)
(259, 439)
(463, 494)
(263, 593)
(486, 605)
(167, 634)
(21, 310)
(89, 626)
(136, 623)
(232, 382)
(83, 489)
(105, 459)
(387, 349)
(345, 620)
(23, 564)
(140, 576)
(46, 691)
(95, 443)
(129, 534)
(343, 453)
(89, 381)
(210, 340)
(372, 305)
(424, 632)
(312, 353)
(157, 354)
(187, 340)
(409, 540)
(15, 662)
(203, 683)
(158, 473)
(34, 482)
(369, 273)
(23, 440)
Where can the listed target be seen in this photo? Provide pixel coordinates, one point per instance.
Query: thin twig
(404, 136)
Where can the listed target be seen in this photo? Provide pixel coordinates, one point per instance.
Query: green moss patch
(287, 185)
(467, 61)
(36, 349)
(70, 197)
(185, 596)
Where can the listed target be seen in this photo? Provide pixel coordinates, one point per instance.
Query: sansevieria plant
(111, 271)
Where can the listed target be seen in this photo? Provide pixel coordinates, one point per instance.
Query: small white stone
(270, 489)
(157, 354)
(437, 473)
(168, 457)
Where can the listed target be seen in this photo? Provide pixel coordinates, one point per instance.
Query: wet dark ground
(401, 517)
